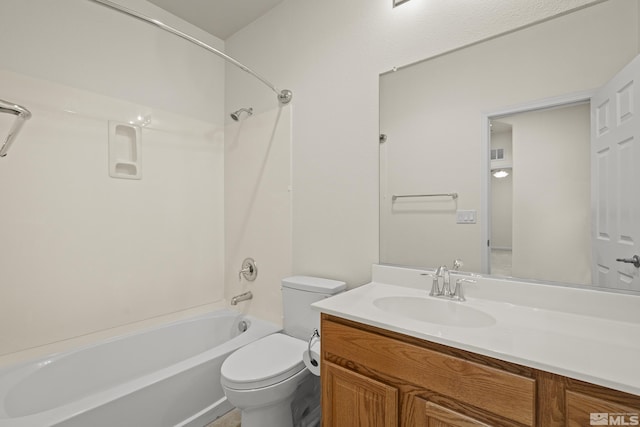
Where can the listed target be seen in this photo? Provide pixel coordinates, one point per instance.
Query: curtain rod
(22, 115)
(284, 96)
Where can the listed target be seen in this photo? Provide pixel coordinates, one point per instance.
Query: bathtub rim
(25, 355)
(258, 329)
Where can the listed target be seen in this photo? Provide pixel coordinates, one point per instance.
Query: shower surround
(81, 251)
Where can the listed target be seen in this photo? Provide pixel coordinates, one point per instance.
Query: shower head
(236, 114)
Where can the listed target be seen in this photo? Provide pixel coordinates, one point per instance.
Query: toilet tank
(298, 293)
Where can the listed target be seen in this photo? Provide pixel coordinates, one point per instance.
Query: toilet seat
(264, 362)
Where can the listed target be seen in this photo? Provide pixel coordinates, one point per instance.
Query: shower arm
(284, 96)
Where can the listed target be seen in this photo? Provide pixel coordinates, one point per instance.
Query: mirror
(436, 186)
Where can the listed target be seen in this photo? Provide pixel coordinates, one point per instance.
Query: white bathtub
(165, 376)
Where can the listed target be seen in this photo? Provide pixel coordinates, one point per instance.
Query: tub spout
(242, 297)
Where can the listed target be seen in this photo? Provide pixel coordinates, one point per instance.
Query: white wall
(81, 252)
(85, 45)
(258, 208)
(552, 194)
(330, 54)
(502, 212)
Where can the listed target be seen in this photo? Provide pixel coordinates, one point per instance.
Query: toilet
(267, 379)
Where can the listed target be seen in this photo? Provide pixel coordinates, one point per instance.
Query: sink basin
(432, 310)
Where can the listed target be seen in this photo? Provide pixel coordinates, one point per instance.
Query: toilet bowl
(262, 377)
(265, 378)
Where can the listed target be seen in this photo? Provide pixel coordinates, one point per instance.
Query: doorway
(539, 193)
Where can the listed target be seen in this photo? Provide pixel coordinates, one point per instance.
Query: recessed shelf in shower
(124, 151)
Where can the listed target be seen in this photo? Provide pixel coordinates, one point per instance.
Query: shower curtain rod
(284, 96)
(22, 115)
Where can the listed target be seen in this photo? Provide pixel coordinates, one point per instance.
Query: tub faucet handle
(249, 270)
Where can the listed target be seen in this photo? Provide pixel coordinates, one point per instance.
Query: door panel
(615, 184)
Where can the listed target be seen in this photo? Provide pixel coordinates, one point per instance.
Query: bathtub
(165, 376)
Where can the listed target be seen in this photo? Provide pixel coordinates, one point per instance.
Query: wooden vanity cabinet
(358, 400)
(375, 377)
(429, 414)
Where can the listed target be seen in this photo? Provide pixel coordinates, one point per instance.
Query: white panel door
(615, 180)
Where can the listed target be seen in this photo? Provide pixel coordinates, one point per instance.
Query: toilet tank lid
(313, 284)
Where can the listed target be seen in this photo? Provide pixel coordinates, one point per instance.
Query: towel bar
(452, 195)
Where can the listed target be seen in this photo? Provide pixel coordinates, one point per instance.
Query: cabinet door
(429, 414)
(353, 400)
(583, 410)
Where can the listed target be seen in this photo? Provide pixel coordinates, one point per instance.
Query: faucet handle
(435, 286)
(458, 292)
(444, 272)
(249, 270)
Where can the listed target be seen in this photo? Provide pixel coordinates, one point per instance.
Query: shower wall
(258, 208)
(80, 251)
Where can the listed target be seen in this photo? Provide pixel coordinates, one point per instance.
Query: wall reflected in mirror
(544, 158)
(432, 114)
(501, 196)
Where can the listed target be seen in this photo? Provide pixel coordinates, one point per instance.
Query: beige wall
(81, 252)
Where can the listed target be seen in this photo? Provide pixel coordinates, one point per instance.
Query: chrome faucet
(242, 297)
(445, 290)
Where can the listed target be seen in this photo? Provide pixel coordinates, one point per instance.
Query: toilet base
(279, 415)
(297, 405)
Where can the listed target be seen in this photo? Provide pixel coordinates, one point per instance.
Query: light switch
(466, 217)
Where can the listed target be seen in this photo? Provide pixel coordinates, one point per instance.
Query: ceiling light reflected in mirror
(500, 173)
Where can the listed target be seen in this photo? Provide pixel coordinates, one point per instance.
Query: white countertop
(588, 335)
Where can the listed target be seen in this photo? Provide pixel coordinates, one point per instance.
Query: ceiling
(222, 18)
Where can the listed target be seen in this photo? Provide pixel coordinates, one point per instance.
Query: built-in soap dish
(124, 151)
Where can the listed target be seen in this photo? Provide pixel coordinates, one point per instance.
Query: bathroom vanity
(541, 357)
